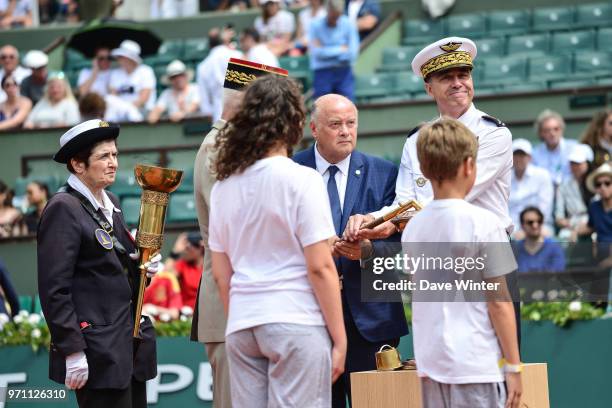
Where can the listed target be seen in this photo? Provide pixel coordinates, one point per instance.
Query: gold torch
(157, 184)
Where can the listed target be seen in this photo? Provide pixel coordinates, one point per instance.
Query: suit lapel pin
(357, 172)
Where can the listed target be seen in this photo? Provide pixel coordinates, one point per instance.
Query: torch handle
(145, 255)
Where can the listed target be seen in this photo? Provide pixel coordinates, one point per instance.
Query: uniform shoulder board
(414, 130)
(493, 120)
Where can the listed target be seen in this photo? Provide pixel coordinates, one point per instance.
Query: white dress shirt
(341, 175)
(107, 207)
(535, 188)
(261, 54)
(494, 165)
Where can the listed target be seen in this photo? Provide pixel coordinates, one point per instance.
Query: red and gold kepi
(450, 52)
(241, 72)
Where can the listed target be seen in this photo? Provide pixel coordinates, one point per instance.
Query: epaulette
(493, 120)
(414, 130)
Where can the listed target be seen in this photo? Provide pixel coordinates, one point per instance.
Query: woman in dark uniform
(88, 278)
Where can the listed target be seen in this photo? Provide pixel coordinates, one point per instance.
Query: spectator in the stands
(48, 10)
(174, 8)
(530, 186)
(276, 26)
(15, 109)
(9, 215)
(69, 11)
(15, 13)
(33, 86)
(163, 296)
(211, 71)
(364, 13)
(179, 101)
(572, 195)
(536, 252)
(598, 135)
(256, 51)
(133, 81)
(314, 11)
(600, 211)
(9, 62)
(110, 108)
(9, 300)
(96, 78)
(334, 47)
(37, 194)
(188, 255)
(552, 153)
(58, 107)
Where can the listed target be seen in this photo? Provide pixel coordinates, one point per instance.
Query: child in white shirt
(464, 350)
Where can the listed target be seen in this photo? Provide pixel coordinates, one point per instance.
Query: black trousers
(134, 396)
(360, 356)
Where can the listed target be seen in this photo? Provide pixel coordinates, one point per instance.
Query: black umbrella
(109, 33)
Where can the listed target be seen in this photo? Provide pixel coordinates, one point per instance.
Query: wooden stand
(395, 389)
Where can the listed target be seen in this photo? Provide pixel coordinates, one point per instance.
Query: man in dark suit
(355, 182)
(88, 279)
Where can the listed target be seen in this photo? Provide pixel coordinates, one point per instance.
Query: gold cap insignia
(103, 124)
(421, 181)
(450, 47)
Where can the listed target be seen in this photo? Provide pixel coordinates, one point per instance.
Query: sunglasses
(603, 183)
(5, 56)
(533, 222)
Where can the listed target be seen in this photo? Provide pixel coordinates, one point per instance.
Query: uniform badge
(421, 181)
(451, 46)
(104, 239)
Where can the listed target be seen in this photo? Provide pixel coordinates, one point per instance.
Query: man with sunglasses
(600, 216)
(537, 253)
(96, 78)
(9, 62)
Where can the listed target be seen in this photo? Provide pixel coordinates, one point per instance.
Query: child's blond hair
(443, 146)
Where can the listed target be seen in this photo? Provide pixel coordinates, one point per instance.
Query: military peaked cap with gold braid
(241, 72)
(450, 52)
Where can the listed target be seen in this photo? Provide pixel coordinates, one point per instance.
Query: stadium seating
(125, 184)
(182, 208)
(130, 207)
(520, 50)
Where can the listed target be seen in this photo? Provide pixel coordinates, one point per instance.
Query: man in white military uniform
(446, 67)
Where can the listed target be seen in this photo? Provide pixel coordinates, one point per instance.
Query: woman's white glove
(153, 266)
(77, 370)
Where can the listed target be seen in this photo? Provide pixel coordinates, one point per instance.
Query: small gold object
(103, 124)
(157, 184)
(388, 358)
(421, 181)
(402, 208)
(451, 46)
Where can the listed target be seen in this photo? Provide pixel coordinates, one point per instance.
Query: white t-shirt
(455, 342)
(282, 22)
(128, 86)
(210, 78)
(262, 219)
(64, 113)
(118, 110)
(169, 101)
(100, 84)
(262, 55)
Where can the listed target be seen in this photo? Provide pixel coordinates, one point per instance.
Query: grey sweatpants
(280, 365)
(479, 395)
